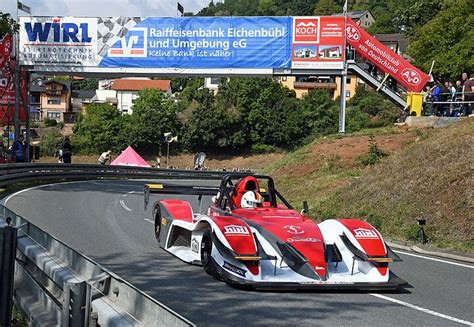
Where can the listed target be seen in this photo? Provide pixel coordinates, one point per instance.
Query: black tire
(206, 258)
(157, 223)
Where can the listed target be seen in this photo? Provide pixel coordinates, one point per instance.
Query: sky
(105, 8)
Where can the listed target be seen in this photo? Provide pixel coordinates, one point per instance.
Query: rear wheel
(206, 254)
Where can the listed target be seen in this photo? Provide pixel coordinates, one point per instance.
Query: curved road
(106, 221)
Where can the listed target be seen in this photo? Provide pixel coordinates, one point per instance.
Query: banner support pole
(342, 109)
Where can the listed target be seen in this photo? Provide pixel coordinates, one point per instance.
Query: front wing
(393, 284)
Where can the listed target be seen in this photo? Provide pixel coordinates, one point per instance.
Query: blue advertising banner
(204, 42)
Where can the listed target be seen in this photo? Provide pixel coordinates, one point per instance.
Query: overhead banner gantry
(205, 46)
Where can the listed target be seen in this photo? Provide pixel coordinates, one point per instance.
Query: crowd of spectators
(450, 99)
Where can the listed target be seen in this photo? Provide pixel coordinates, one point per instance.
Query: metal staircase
(356, 69)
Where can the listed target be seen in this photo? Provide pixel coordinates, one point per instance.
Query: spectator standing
(435, 91)
(66, 149)
(457, 97)
(18, 149)
(464, 78)
(468, 95)
(451, 90)
(458, 90)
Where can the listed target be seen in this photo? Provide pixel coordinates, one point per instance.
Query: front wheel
(157, 224)
(206, 254)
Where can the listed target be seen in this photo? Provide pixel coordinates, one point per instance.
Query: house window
(283, 78)
(35, 99)
(54, 100)
(348, 94)
(348, 80)
(215, 80)
(135, 96)
(54, 114)
(125, 109)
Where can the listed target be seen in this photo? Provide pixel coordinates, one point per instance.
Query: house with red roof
(127, 91)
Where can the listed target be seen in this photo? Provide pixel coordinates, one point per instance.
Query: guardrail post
(7, 266)
(74, 306)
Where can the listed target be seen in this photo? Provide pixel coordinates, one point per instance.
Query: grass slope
(428, 173)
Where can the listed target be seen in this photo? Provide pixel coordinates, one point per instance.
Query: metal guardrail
(55, 285)
(15, 173)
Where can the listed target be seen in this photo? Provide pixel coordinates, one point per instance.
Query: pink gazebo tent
(130, 157)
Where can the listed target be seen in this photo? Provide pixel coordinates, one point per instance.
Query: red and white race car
(251, 236)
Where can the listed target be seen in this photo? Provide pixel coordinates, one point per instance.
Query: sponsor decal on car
(303, 239)
(362, 233)
(163, 221)
(236, 230)
(195, 245)
(234, 269)
(319, 268)
(292, 229)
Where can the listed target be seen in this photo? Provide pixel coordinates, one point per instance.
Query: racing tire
(157, 223)
(206, 254)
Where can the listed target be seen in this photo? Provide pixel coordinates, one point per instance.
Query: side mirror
(305, 209)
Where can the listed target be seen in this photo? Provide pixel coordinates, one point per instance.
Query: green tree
(103, 128)
(416, 14)
(320, 113)
(327, 7)
(446, 39)
(274, 118)
(207, 129)
(370, 109)
(153, 115)
(7, 24)
(85, 84)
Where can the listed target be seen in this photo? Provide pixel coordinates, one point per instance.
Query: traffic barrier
(55, 285)
(16, 173)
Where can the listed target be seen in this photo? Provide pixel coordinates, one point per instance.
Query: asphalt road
(106, 221)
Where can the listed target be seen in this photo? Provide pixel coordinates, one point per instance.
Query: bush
(374, 155)
(262, 148)
(356, 120)
(50, 122)
(50, 142)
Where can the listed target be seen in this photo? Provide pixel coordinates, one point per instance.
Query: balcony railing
(53, 92)
(314, 85)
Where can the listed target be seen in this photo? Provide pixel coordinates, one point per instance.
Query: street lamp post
(169, 138)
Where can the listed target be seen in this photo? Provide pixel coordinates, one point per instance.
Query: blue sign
(204, 42)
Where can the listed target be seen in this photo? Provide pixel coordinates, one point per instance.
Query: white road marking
(32, 188)
(415, 307)
(124, 205)
(150, 221)
(131, 192)
(434, 259)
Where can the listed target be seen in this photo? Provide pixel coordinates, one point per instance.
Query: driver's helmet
(250, 200)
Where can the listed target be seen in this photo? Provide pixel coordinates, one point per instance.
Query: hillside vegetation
(427, 174)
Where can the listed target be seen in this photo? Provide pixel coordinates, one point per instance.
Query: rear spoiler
(161, 188)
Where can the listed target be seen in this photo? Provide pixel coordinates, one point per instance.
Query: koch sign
(187, 42)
